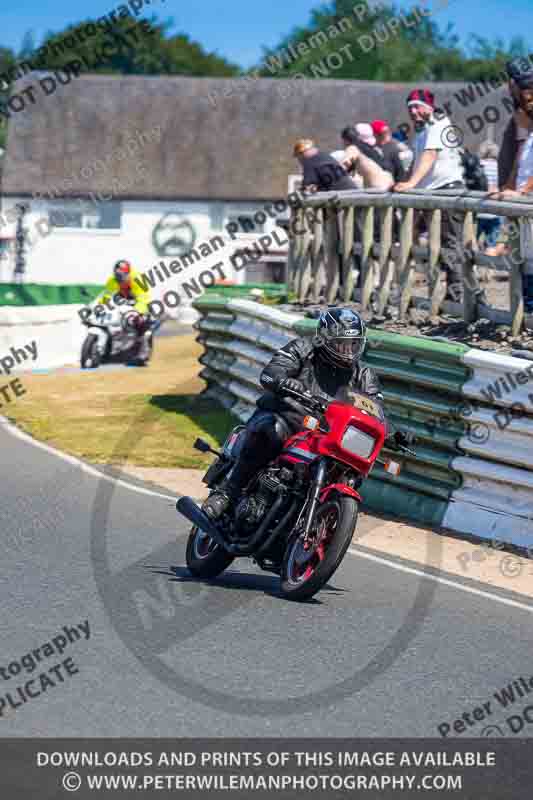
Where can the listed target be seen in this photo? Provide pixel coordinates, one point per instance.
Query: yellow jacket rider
(123, 282)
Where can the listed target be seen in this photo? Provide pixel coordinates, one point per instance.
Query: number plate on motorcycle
(366, 404)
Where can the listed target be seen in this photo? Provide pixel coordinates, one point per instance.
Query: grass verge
(145, 417)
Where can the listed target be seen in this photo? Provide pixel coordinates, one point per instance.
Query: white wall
(67, 256)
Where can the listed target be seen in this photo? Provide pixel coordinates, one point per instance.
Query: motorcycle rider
(328, 366)
(123, 283)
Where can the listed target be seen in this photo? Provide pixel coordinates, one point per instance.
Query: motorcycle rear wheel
(305, 572)
(204, 557)
(90, 357)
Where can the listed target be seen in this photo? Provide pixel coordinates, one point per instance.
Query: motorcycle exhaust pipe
(188, 508)
(286, 520)
(248, 549)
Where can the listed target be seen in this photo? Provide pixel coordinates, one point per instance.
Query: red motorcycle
(297, 517)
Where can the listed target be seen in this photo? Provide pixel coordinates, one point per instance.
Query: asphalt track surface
(385, 650)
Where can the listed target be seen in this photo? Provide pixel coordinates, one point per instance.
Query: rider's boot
(219, 501)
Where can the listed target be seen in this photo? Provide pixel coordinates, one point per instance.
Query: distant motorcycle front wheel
(90, 357)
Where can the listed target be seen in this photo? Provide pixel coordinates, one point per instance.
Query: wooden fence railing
(328, 229)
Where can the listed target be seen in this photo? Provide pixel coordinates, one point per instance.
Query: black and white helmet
(342, 335)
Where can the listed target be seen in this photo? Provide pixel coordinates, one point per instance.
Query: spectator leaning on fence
(490, 224)
(350, 167)
(437, 167)
(523, 186)
(362, 157)
(321, 171)
(391, 150)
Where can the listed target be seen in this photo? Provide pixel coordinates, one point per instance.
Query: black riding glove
(404, 439)
(291, 384)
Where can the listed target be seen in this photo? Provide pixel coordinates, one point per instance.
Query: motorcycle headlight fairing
(357, 443)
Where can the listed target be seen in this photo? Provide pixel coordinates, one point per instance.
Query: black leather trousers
(266, 433)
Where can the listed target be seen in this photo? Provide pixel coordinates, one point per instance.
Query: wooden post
(316, 252)
(470, 282)
(292, 256)
(347, 253)
(515, 284)
(405, 262)
(306, 261)
(295, 249)
(332, 254)
(295, 229)
(386, 264)
(367, 273)
(437, 287)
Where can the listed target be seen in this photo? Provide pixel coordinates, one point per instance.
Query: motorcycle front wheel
(204, 557)
(307, 567)
(90, 357)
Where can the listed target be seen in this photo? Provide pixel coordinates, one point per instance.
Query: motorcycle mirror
(202, 446)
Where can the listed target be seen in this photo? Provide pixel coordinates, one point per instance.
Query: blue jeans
(527, 288)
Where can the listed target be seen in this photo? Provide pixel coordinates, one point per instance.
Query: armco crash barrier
(479, 488)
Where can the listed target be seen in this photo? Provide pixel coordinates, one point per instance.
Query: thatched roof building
(221, 139)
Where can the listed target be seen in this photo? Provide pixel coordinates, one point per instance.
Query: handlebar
(308, 400)
(406, 450)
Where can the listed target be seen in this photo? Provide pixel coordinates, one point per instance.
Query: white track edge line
(469, 589)
(14, 431)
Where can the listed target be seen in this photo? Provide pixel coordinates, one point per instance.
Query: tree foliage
(129, 48)
(384, 43)
(141, 49)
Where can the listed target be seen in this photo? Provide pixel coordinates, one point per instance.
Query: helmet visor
(345, 349)
(122, 273)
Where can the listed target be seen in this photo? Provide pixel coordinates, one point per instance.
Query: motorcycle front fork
(315, 489)
(101, 344)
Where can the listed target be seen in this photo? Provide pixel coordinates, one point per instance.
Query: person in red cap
(437, 167)
(390, 149)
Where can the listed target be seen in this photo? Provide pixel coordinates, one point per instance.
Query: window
(85, 214)
(6, 248)
(248, 222)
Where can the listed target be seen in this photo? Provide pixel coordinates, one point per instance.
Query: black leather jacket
(508, 153)
(301, 360)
